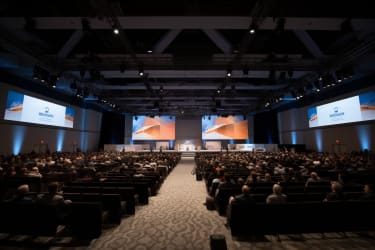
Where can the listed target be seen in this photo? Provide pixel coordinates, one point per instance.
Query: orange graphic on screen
(227, 127)
(159, 128)
(17, 108)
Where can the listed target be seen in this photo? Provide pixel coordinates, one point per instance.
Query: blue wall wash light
(318, 140)
(60, 140)
(293, 136)
(84, 134)
(364, 135)
(171, 144)
(18, 137)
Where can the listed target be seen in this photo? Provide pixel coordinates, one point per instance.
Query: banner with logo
(353, 109)
(24, 108)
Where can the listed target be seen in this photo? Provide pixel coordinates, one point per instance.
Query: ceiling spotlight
(36, 72)
(115, 30)
(229, 73)
(253, 28)
(140, 70)
(149, 51)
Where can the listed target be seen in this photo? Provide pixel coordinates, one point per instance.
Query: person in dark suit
(336, 194)
(243, 199)
(53, 198)
(22, 194)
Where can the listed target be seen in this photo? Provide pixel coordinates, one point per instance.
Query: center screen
(153, 128)
(224, 128)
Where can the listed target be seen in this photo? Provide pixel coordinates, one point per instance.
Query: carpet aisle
(174, 219)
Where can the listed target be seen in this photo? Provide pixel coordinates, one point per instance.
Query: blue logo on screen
(46, 113)
(336, 112)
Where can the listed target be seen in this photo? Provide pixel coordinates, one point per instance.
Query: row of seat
(297, 218)
(29, 218)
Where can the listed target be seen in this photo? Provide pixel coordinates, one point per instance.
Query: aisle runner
(174, 219)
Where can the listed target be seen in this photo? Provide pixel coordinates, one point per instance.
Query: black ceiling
(185, 49)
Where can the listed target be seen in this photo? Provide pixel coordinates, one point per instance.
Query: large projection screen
(24, 108)
(224, 128)
(153, 128)
(353, 109)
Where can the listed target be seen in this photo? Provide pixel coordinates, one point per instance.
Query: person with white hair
(277, 197)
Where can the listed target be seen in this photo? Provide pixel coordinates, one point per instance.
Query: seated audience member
(245, 198)
(22, 194)
(53, 198)
(368, 193)
(313, 178)
(277, 197)
(336, 194)
(267, 178)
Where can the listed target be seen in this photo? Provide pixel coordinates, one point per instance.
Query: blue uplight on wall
(248, 141)
(270, 139)
(293, 136)
(171, 144)
(18, 138)
(231, 141)
(364, 135)
(83, 135)
(60, 140)
(318, 140)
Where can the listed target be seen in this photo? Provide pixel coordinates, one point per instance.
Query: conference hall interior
(187, 124)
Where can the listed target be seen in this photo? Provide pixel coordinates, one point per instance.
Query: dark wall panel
(265, 128)
(113, 127)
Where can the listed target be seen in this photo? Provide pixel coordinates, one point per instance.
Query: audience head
(245, 189)
(240, 181)
(23, 189)
(53, 187)
(369, 188)
(313, 175)
(336, 186)
(277, 189)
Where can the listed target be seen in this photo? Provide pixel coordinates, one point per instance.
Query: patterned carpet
(177, 219)
(174, 219)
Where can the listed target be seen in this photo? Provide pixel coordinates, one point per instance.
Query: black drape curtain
(265, 128)
(113, 129)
